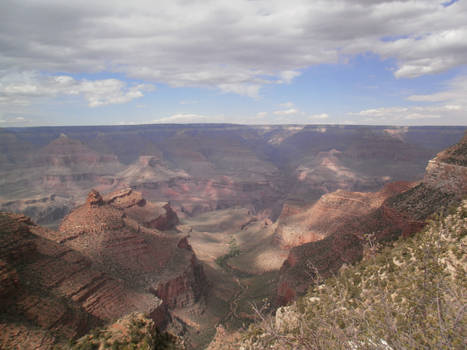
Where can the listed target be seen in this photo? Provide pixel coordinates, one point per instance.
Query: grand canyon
(192, 225)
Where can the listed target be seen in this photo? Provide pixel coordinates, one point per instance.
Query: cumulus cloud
(25, 87)
(401, 115)
(319, 116)
(189, 118)
(290, 111)
(235, 46)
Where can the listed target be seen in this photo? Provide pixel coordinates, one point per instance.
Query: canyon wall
(400, 212)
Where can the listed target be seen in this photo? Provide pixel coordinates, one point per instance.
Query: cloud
(250, 90)
(190, 118)
(290, 111)
(287, 76)
(25, 87)
(454, 93)
(420, 115)
(319, 116)
(447, 106)
(15, 120)
(235, 46)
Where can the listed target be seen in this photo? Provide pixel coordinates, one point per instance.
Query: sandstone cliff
(118, 233)
(297, 225)
(51, 293)
(401, 211)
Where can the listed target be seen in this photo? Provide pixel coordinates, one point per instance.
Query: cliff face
(330, 214)
(117, 233)
(188, 287)
(58, 285)
(50, 291)
(447, 177)
(447, 172)
(399, 210)
(321, 258)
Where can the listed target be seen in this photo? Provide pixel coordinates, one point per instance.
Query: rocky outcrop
(311, 261)
(297, 225)
(159, 216)
(133, 331)
(51, 292)
(117, 233)
(188, 287)
(447, 172)
(400, 212)
(446, 177)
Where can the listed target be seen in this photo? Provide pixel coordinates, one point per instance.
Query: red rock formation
(94, 199)
(159, 216)
(49, 290)
(116, 235)
(324, 257)
(394, 211)
(333, 210)
(186, 288)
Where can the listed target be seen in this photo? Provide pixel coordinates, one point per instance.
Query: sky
(116, 62)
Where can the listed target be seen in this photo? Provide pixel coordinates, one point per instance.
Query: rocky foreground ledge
(108, 259)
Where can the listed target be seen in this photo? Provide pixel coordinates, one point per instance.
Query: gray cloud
(235, 46)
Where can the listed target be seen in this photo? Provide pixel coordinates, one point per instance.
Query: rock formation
(118, 233)
(297, 225)
(133, 331)
(400, 211)
(51, 292)
(199, 169)
(159, 216)
(448, 170)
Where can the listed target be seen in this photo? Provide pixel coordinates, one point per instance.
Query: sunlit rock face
(298, 225)
(448, 170)
(121, 233)
(399, 209)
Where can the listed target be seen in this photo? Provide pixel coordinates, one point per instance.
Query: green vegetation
(134, 332)
(411, 295)
(233, 251)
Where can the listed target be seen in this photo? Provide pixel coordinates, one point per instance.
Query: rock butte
(103, 261)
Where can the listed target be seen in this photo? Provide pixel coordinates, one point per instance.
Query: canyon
(191, 224)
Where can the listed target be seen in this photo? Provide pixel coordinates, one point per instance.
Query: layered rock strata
(118, 233)
(298, 226)
(399, 214)
(51, 292)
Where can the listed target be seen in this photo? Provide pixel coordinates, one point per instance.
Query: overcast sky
(234, 61)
